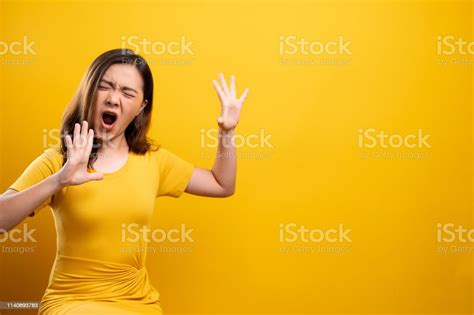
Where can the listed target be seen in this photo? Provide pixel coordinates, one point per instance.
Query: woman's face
(119, 99)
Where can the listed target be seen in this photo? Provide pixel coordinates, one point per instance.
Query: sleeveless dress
(93, 272)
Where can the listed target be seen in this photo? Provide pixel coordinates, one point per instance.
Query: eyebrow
(124, 88)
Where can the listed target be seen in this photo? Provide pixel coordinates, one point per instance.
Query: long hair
(82, 106)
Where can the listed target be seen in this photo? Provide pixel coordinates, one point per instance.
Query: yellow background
(312, 175)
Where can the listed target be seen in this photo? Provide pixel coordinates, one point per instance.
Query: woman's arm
(15, 206)
(220, 180)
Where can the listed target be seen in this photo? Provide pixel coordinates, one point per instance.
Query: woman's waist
(77, 278)
(85, 275)
(100, 265)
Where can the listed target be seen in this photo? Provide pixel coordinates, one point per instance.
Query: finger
(69, 146)
(77, 128)
(90, 141)
(224, 84)
(68, 142)
(85, 129)
(219, 91)
(83, 135)
(232, 86)
(244, 96)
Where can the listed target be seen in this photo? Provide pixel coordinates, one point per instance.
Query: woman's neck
(113, 146)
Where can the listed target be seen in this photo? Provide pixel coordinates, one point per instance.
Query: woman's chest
(126, 199)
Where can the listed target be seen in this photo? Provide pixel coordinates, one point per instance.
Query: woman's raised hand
(74, 171)
(230, 104)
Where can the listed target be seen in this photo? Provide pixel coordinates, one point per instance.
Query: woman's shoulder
(157, 151)
(54, 152)
(160, 153)
(54, 156)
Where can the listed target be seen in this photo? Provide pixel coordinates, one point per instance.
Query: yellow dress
(93, 272)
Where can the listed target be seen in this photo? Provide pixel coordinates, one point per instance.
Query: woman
(106, 175)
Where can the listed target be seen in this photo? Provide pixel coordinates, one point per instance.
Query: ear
(142, 107)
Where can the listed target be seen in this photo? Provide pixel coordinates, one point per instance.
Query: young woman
(106, 175)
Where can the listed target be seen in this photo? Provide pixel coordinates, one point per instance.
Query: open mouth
(109, 119)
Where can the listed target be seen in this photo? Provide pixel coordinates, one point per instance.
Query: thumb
(220, 120)
(95, 176)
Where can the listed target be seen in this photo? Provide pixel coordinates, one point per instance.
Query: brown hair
(82, 107)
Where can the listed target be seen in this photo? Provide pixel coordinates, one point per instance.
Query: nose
(112, 99)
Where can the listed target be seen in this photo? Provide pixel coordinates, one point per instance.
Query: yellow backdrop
(358, 126)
